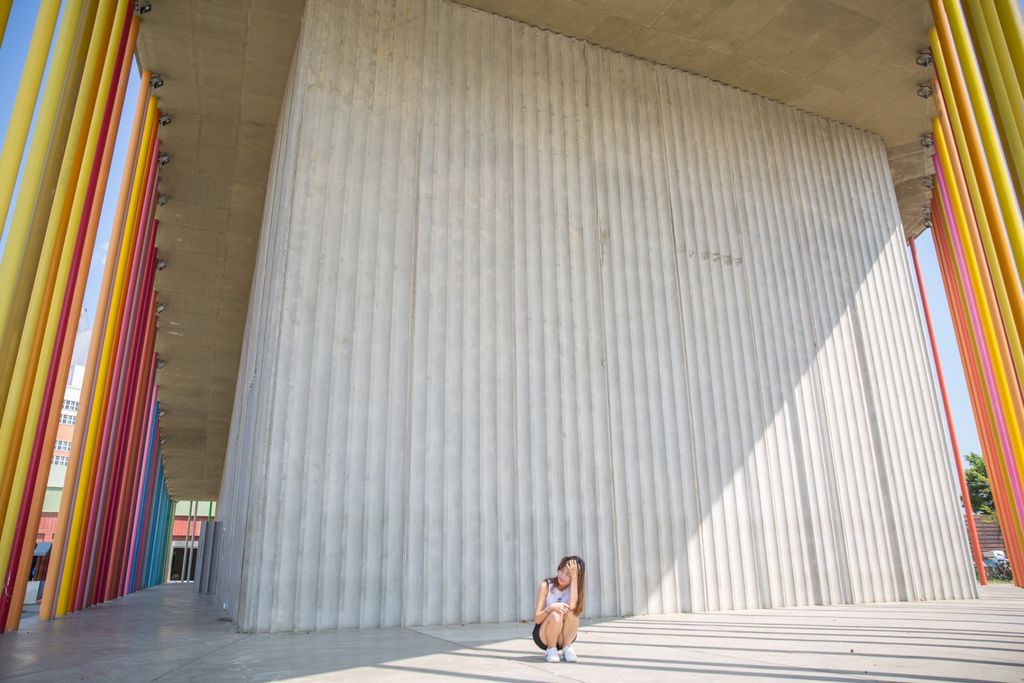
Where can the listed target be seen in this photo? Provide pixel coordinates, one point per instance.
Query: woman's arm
(539, 613)
(573, 585)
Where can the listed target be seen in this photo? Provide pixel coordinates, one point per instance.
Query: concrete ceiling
(225, 64)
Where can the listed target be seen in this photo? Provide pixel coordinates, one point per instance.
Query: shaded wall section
(519, 296)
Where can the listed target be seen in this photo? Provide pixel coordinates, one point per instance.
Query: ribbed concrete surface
(517, 296)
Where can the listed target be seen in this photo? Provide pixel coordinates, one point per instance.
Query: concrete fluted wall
(519, 296)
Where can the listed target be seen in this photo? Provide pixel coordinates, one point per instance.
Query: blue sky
(12, 55)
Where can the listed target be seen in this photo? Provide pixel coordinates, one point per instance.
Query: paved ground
(169, 634)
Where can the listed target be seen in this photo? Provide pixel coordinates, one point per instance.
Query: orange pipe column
(75, 313)
(972, 531)
(133, 167)
(981, 406)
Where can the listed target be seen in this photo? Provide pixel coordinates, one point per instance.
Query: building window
(60, 460)
(67, 419)
(63, 447)
(71, 405)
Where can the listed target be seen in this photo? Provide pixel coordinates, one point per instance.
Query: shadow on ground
(168, 633)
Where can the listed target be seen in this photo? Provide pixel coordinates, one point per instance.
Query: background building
(61, 448)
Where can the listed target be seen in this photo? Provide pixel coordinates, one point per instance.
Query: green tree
(978, 486)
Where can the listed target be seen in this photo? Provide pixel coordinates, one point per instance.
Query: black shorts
(538, 641)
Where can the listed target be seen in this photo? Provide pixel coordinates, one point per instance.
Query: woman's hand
(573, 570)
(559, 607)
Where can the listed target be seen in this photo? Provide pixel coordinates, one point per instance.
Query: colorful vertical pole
(114, 461)
(979, 138)
(972, 531)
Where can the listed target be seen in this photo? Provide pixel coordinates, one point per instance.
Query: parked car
(998, 568)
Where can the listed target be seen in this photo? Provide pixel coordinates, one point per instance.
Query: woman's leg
(550, 629)
(570, 624)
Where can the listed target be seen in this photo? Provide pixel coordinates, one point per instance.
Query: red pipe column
(972, 531)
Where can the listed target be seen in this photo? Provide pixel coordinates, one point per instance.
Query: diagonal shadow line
(716, 648)
(753, 622)
(760, 670)
(943, 634)
(904, 615)
(821, 640)
(698, 617)
(853, 631)
(475, 677)
(786, 633)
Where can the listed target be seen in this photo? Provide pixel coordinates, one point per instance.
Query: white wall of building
(518, 296)
(67, 416)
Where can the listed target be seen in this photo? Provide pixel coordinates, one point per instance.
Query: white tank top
(555, 595)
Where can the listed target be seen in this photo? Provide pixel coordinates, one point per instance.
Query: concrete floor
(169, 634)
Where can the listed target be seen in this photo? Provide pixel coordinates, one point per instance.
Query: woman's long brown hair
(580, 579)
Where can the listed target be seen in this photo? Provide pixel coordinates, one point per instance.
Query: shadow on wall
(518, 296)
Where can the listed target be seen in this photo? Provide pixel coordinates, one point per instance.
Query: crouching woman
(558, 608)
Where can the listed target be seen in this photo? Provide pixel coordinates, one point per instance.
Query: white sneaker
(569, 654)
(552, 654)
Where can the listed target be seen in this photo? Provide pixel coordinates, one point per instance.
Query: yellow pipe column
(28, 540)
(21, 254)
(1012, 27)
(995, 457)
(5, 12)
(129, 179)
(983, 204)
(962, 51)
(99, 390)
(961, 196)
(25, 104)
(109, 70)
(1008, 396)
(1002, 87)
(1007, 386)
(12, 421)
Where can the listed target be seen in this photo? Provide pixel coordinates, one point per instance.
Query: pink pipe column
(101, 473)
(138, 481)
(42, 422)
(121, 452)
(129, 486)
(984, 351)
